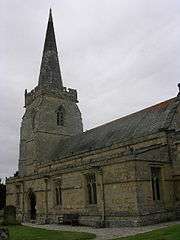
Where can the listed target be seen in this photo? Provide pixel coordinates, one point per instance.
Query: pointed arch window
(155, 180)
(60, 116)
(58, 193)
(91, 188)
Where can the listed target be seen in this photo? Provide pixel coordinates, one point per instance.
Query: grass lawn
(29, 233)
(168, 233)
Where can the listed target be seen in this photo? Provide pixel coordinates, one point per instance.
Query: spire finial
(50, 15)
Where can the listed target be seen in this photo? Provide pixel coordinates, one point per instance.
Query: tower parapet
(65, 93)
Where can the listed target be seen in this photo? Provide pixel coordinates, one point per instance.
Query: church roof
(142, 123)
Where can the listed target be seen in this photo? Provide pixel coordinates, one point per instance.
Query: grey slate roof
(139, 124)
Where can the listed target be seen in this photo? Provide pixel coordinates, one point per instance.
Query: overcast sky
(121, 56)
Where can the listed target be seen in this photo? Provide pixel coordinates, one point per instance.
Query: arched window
(155, 180)
(60, 113)
(58, 194)
(91, 188)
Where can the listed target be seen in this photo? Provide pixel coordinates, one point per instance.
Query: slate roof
(142, 123)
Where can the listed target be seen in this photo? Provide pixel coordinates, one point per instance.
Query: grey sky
(121, 56)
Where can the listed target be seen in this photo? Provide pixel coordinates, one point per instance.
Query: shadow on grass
(30, 233)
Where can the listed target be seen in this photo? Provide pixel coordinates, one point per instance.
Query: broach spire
(50, 74)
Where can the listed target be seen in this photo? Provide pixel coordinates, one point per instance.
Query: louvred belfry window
(60, 116)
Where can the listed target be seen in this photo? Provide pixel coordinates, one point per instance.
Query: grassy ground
(28, 233)
(169, 233)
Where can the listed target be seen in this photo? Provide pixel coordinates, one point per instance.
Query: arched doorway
(32, 205)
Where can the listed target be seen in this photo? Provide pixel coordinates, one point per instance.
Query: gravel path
(105, 233)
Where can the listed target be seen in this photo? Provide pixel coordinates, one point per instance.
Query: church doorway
(32, 205)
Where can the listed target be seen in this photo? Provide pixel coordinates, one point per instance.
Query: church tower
(51, 113)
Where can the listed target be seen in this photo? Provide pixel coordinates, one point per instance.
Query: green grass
(29, 233)
(168, 233)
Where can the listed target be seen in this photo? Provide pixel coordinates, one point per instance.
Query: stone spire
(50, 74)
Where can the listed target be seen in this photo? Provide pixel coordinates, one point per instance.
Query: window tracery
(91, 188)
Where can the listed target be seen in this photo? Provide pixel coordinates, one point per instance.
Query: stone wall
(176, 173)
(123, 179)
(40, 135)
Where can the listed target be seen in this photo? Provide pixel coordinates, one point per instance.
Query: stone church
(123, 173)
